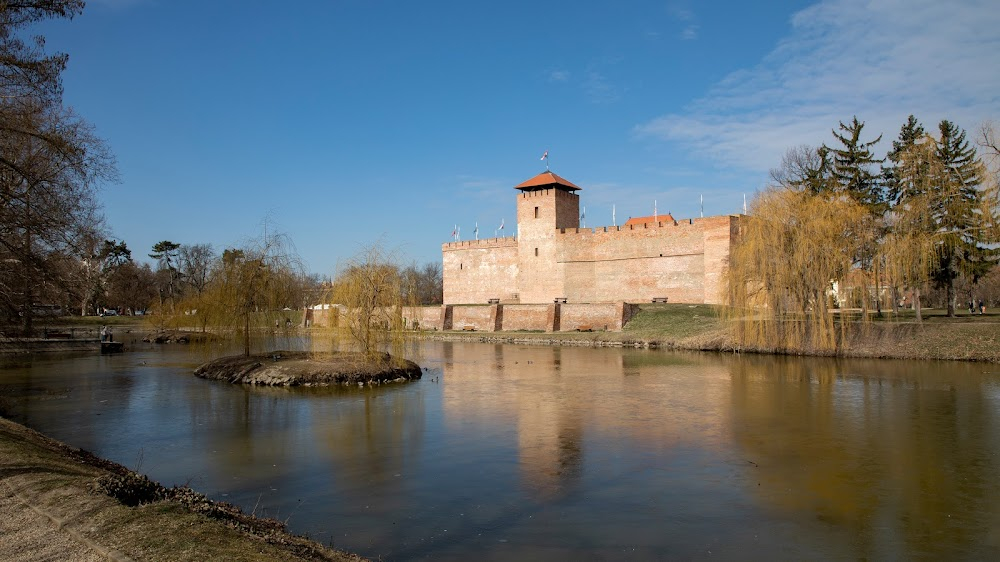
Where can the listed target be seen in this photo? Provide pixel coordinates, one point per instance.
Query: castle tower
(545, 204)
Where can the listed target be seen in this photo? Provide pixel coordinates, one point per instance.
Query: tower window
(536, 251)
(536, 212)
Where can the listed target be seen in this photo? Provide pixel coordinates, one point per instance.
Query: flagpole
(614, 220)
(702, 206)
(655, 215)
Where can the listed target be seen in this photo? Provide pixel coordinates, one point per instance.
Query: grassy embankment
(51, 508)
(699, 327)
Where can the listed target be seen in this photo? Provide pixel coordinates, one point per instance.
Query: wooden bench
(494, 301)
(659, 299)
(57, 335)
(585, 328)
(469, 328)
(559, 300)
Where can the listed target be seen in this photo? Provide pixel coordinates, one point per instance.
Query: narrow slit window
(536, 251)
(536, 212)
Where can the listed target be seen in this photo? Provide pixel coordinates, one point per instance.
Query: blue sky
(345, 122)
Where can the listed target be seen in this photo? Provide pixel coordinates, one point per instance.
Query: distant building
(552, 258)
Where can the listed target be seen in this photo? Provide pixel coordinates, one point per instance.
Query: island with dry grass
(302, 368)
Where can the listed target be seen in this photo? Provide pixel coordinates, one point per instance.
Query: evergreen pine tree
(852, 175)
(909, 135)
(852, 167)
(960, 213)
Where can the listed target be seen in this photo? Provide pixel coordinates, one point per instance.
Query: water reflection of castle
(558, 399)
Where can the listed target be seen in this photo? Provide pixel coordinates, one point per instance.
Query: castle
(553, 260)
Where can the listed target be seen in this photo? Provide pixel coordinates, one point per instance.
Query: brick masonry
(552, 258)
(522, 317)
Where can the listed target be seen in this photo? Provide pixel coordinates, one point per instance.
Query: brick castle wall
(478, 317)
(683, 262)
(478, 270)
(525, 317)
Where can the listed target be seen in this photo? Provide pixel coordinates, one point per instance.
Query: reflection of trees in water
(251, 426)
(904, 452)
(374, 437)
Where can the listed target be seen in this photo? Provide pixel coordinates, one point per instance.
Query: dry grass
(699, 327)
(49, 509)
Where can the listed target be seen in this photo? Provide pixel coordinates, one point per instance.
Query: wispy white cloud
(559, 76)
(599, 89)
(878, 59)
(688, 19)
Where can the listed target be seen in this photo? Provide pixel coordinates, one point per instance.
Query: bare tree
(195, 263)
(50, 162)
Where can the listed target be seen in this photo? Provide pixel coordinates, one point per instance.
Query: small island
(302, 368)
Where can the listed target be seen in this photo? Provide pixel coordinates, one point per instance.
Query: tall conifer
(909, 134)
(961, 210)
(853, 166)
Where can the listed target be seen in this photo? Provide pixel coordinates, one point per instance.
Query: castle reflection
(561, 400)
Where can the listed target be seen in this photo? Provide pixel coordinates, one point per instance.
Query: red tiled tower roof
(547, 179)
(649, 220)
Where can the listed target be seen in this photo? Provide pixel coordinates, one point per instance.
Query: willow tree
(910, 248)
(250, 286)
(370, 289)
(792, 248)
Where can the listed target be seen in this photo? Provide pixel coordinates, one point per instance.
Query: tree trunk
(951, 296)
(916, 305)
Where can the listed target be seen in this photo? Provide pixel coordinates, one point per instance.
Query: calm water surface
(506, 452)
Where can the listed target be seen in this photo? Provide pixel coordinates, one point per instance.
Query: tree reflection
(901, 457)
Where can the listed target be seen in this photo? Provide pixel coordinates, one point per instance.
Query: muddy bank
(61, 503)
(295, 368)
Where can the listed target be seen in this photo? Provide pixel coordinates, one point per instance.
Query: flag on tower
(545, 155)
(477, 230)
(501, 224)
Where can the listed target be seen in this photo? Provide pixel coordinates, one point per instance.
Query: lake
(516, 452)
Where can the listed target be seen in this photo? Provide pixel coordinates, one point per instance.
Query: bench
(559, 300)
(494, 301)
(585, 328)
(57, 335)
(659, 299)
(469, 328)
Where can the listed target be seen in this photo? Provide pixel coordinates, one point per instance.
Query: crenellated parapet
(503, 242)
(721, 221)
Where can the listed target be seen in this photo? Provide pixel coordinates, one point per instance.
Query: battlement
(548, 192)
(502, 242)
(700, 223)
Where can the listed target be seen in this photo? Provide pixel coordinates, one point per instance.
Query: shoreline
(52, 507)
(698, 328)
(957, 341)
